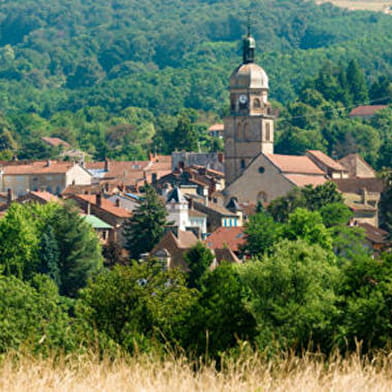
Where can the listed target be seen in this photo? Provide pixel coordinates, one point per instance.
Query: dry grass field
(371, 5)
(146, 375)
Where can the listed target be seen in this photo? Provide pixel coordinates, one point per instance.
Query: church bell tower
(249, 129)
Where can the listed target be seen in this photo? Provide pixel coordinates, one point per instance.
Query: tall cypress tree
(146, 226)
(49, 255)
(80, 254)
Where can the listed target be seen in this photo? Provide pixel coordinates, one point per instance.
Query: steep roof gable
(325, 160)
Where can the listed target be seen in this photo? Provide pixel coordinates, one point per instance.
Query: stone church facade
(255, 173)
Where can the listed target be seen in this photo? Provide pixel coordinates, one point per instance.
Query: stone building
(50, 176)
(249, 129)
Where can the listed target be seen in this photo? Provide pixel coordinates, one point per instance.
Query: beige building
(270, 176)
(50, 176)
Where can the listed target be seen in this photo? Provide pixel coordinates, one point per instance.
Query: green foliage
(220, 319)
(50, 239)
(385, 204)
(261, 233)
(367, 291)
(312, 198)
(198, 259)
(321, 195)
(34, 319)
(292, 296)
(19, 242)
(132, 304)
(146, 226)
(80, 256)
(335, 214)
(49, 255)
(308, 226)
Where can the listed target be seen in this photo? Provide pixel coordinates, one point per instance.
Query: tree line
(310, 282)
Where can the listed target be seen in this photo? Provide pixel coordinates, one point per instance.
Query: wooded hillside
(167, 55)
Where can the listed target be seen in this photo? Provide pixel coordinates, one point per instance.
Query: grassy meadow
(85, 374)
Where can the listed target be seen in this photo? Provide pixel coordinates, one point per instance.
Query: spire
(249, 45)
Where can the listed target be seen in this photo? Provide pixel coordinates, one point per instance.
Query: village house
(182, 215)
(129, 175)
(50, 176)
(231, 238)
(105, 210)
(366, 111)
(171, 250)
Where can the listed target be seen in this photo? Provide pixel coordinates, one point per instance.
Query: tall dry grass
(86, 374)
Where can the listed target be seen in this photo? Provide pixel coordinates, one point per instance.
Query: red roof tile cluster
(216, 127)
(366, 110)
(38, 167)
(326, 160)
(46, 196)
(106, 205)
(226, 237)
(357, 185)
(176, 247)
(303, 180)
(294, 164)
(374, 234)
(132, 172)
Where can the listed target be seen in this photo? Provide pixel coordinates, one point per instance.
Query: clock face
(243, 99)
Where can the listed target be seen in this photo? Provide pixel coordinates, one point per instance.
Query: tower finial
(249, 45)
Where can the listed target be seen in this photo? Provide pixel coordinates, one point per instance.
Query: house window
(243, 164)
(256, 103)
(261, 169)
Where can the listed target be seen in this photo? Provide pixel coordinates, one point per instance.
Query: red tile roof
(294, 164)
(356, 185)
(326, 160)
(374, 234)
(106, 205)
(176, 247)
(230, 237)
(366, 110)
(38, 167)
(55, 142)
(130, 172)
(216, 127)
(302, 180)
(46, 196)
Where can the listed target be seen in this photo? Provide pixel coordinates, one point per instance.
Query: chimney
(88, 212)
(107, 165)
(117, 202)
(98, 199)
(9, 196)
(365, 197)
